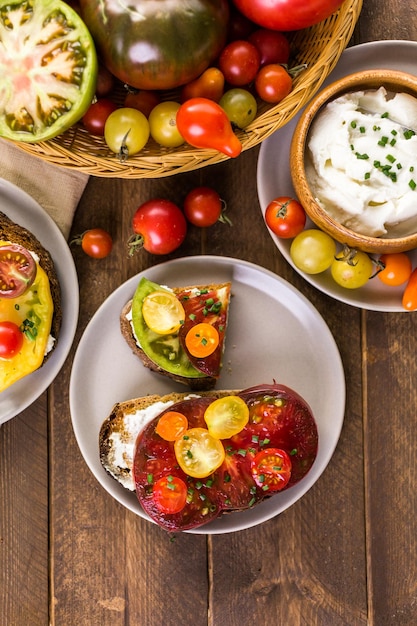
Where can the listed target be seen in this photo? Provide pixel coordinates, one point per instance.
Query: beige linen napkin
(57, 189)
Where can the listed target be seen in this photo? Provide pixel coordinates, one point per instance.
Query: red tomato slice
(17, 270)
(271, 469)
(170, 494)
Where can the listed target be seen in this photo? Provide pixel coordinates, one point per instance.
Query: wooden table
(343, 555)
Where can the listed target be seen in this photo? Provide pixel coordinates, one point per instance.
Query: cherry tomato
(239, 27)
(312, 251)
(239, 61)
(273, 83)
(163, 312)
(271, 469)
(95, 118)
(409, 299)
(285, 217)
(351, 268)
(240, 106)
(198, 453)
(17, 270)
(126, 132)
(202, 340)
(274, 47)
(170, 494)
(204, 124)
(171, 425)
(287, 15)
(204, 207)
(11, 339)
(159, 226)
(226, 417)
(143, 100)
(95, 242)
(396, 268)
(163, 124)
(209, 85)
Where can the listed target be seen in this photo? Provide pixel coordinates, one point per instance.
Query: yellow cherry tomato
(202, 340)
(163, 312)
(198, 453)
(226, 417)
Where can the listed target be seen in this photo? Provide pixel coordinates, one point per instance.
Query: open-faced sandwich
(30, 303)
(192, 457)
(179, 332)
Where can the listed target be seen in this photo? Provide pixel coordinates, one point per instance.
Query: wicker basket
(319, 47)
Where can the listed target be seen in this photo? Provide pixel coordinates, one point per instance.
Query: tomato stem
(223, 218)
(135, 243)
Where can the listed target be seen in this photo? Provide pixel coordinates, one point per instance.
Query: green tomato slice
(48, 69)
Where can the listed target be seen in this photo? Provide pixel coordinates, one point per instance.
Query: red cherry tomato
(95, 242)
(159, 226)
(170, 494)
(271, 469)
(240, 61)
(97, 114)
(396, 269)
(285, 217)
(203, 207)
(409, 299)
(204, 124)
(287, 14)
(274, 47)
(273, 83)
(11, 339)
(17, 270)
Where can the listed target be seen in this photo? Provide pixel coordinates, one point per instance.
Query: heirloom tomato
(159, 226)
(287, 14)
(154, 44)
(17, 270)
(48, 69)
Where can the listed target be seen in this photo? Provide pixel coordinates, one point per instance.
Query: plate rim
(223, 262)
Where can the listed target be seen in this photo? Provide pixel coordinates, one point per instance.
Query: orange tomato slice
(202, 340)
(170, 494)
(171, 425)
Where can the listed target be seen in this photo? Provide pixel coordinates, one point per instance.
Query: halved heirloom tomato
(48, 69)
(17, 270)
(273, 450)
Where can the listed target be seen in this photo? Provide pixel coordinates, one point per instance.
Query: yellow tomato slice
(198, 453)
(171, 425)
(226, 417)
(163, 312)
(202, 340)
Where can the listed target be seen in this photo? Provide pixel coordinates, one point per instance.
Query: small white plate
(25, 211)
(274, 177)
(274, 333)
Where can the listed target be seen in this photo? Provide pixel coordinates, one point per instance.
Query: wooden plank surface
(342, 555)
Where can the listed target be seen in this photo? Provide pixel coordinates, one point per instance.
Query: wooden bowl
(393, 81)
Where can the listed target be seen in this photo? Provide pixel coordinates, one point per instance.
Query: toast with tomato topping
(37, 311)
(190, 457)
(179, 352)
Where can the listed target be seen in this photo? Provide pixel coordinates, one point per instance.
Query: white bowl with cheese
(353, 160)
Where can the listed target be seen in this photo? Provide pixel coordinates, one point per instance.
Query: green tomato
(126, 132)
(163, 125)
(312, 251)
(240, 106)
(351, 268)
(48, 69)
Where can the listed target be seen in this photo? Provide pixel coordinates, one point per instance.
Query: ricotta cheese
(362, 162)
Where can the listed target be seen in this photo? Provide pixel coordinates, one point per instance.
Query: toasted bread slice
(10, 231)
(119, 431)
(200, 383)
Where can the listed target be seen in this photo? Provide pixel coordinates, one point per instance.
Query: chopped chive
(391, 158)
(412, 184)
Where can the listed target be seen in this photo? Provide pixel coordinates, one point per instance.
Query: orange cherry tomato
(171, 425)
(409, 299)
(273, 83)
(209, 85)
(271, 469)
(396, 270)
(96, 242)
(202, 340)
(170, 494)
(204, 124)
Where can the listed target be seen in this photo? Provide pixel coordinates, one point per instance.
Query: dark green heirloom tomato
(48, 69)
(157, 44)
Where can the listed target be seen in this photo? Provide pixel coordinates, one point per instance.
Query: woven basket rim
(79, 151)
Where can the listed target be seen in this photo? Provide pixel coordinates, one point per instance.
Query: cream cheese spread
(362, 162)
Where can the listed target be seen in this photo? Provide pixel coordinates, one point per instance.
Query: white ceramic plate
(24, 210)
(274, 178)
(274, 333)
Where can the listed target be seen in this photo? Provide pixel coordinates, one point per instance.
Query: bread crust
(13, 232)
